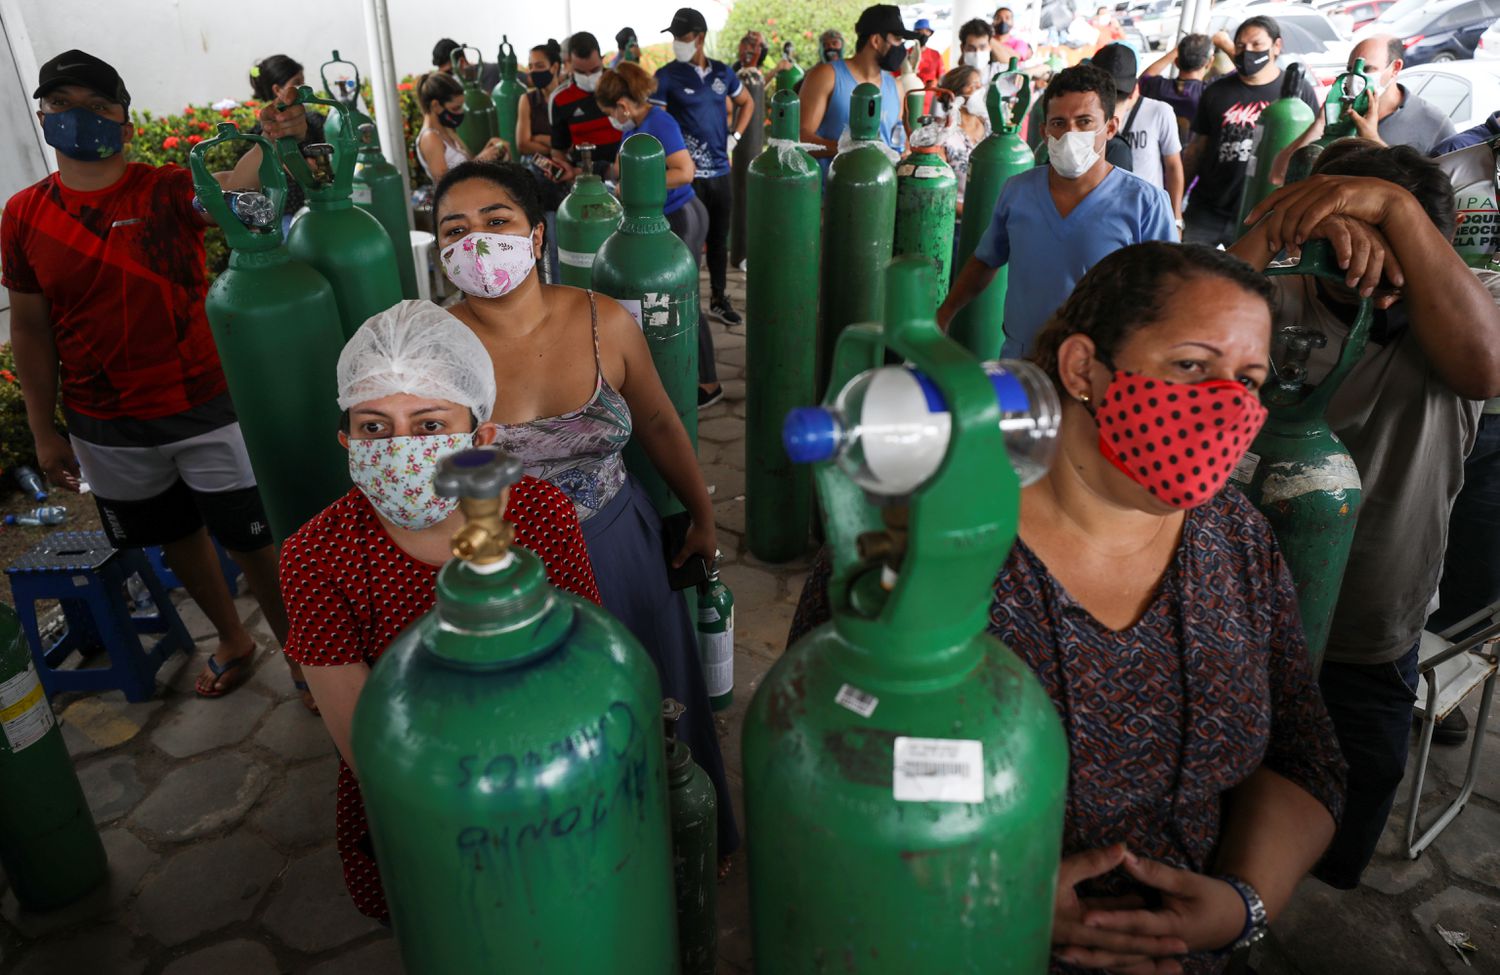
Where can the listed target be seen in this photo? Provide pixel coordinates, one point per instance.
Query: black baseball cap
(625, 38)
(882, 19)
(442, 52)
(1117, 61)
(77, 67)
(686, 21)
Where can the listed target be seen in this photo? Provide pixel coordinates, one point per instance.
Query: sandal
(235, 669)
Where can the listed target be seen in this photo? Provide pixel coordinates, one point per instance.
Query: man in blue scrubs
(1052, 223)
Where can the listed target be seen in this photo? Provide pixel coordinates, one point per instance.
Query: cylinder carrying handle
(1008, 99)
(1318, 261)
(290, 151)
(211, 194)
(358, 83)
(478, 63)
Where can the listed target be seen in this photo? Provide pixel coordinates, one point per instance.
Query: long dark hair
(436, 86)
(1129, 290)
(513, 178)
(272, 72)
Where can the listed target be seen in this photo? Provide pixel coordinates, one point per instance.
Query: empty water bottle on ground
(51, 515)
(888, 429)
(31, 482)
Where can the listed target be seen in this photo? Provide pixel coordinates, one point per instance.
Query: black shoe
(721, 309)
(1452, 730)
(707, 398)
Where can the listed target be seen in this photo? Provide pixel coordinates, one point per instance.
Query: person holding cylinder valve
(1146, 598)
(415, 385)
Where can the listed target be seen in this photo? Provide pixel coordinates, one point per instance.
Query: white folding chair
(1450, 672)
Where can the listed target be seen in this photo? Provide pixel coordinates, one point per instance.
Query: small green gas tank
(510, 751)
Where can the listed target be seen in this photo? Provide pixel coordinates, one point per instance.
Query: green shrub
(788, 20)
(15, 435)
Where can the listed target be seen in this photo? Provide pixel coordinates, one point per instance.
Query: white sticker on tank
(1334, 474)
(575, 258)
(906, 170)
(25, 715)
(930, 172)
(633, 306)
(1244, 471)
(856, 700)
(938, 770)
(361, 193)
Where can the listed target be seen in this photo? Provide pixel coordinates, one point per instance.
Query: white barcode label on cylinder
(1244, 471)
(25, 715)
(856, 700)
(938, 770)
(361, 193)
(575, 258)
(717, 653)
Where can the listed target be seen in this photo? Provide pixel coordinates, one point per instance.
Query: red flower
(205, 126)
(250, 103)
(225, 112)
(404, 86)
(193, 140)
(170, 142)
(188, 111)
(9, 376)
(771, 21)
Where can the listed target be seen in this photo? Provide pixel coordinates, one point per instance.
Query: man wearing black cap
(879, 49)
(103, 260)
(693, 89)
(1148, 126)
(629, 48)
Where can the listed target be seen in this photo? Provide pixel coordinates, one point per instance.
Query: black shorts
(236, 518)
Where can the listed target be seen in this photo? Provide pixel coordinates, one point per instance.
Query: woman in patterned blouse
(1165, 629)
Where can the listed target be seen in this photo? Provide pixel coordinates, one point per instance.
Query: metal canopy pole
(387, 101)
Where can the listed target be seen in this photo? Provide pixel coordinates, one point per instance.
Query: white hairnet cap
(415, 347)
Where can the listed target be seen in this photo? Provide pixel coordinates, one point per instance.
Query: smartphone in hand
(674, 530)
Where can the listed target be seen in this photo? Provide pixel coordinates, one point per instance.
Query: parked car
(1361, 12)
(1465, 91)
(1308, 37)
(1488, 48)
(1447, 30)
(1157, 20)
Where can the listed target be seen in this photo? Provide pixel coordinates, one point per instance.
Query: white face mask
(977, 59)
(587, 81)
(974, 104)
(488, 265)
(396, 475)
(1377, 87)
(1072, 155)
(626, 126)
(684, 50)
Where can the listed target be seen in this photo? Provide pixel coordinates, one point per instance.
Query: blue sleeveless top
(836, 116)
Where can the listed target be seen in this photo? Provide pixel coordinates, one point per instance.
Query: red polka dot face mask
(1180, 441)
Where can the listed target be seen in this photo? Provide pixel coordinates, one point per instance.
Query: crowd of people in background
(1132, 278)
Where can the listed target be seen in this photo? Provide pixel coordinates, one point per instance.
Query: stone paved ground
(218, 818)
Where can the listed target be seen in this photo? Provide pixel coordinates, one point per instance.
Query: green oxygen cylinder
(979, 325)
(342, 242)
(745, 152)
(479, 125)
(585, 220)
(1350, 92)
(926, 201)
(510, 754)
(507, 96)
(1280, 124)
(347, 91)
(905, 773)
(859, 226)
(789, 78)
(784, 192)
(1298, 472)
(49, 845)
(379, 191)
(646, 268)
(695, 850)
(275, 316)
(716, 637)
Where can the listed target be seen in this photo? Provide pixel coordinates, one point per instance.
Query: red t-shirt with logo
(122, 271)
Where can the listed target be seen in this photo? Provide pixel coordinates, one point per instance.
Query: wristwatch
(1256, 923)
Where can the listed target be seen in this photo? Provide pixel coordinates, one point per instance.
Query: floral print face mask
(396, 475)
(488, 265)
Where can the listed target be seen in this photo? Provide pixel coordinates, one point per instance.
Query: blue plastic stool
(169, 578)
(87, 576)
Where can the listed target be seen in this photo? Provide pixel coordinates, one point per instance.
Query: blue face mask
(83, 135)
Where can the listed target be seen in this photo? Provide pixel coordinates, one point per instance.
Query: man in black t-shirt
(1224, 130)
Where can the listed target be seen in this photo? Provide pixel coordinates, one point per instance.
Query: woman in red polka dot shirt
(415, 385)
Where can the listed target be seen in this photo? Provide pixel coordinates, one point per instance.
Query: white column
(383, 79)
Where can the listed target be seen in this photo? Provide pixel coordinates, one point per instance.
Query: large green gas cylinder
(585, 219)
(49, 845)
(276, 324)
(507, 95)
(1280, 124)
(479, 125)
(926, 205)
(1297, 472)
(379, 191)
(745, 152)
(1350, 92)
(978, 326)
(695, 850)
(347, 91)
(345, 244)
(904, 771)
(859, 225)
(784, 192)
(510, 752)
(790, 77)
(646, 268)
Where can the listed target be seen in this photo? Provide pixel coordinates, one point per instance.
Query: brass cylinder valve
(480, 478)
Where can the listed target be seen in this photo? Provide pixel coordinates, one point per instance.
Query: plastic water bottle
(52, 515)
(888, 429)
(140, 596)
(31, 482)
(716, 638)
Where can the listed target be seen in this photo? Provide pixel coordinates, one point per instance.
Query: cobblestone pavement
(218, 816)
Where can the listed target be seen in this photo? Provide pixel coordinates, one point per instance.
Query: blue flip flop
(219, 670)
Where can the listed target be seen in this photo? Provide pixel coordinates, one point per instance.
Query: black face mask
(1002, 28)
(451, 119)
(833, 54)
(1249, 62)
(891, 60)
(540, 79)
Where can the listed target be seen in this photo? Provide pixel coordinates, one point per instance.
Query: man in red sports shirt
(104, 264)
(576, 118)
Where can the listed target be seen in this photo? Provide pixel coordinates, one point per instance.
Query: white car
(1489, 44)
(1308, 38)
(1468, 92)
